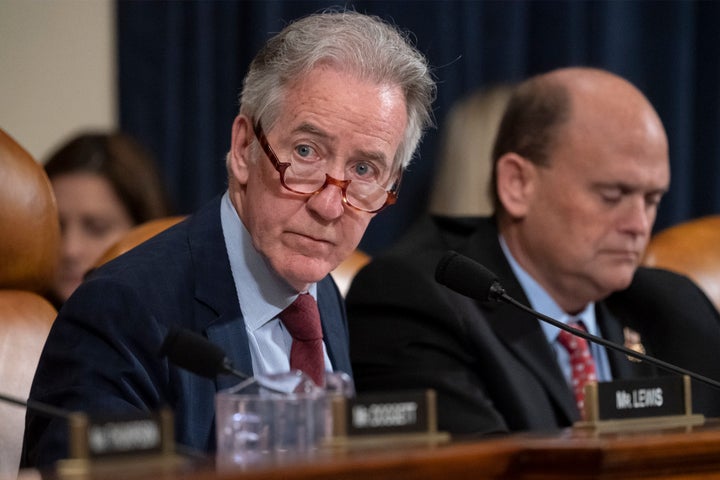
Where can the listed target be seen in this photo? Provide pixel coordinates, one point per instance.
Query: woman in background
(104, 184)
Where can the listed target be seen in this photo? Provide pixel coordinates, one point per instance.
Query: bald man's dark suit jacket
(102, 354)
(491, 365)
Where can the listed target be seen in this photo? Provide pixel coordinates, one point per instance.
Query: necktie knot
(302, 318)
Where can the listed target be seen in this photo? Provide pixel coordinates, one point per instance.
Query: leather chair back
(691, 248)
(29, 252)
(30, 240)
(346, 271)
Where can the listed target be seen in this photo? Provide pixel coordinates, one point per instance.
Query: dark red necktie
(581, 362)
(302, 320)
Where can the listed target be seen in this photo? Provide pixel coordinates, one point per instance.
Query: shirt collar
(264, 294)
(541, 301)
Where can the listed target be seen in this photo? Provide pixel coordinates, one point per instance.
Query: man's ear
(242, 138)
(515, 183)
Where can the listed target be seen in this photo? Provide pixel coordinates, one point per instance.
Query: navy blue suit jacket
(102, 354)
(491, 365)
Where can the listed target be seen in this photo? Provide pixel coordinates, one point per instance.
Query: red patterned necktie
(581, 362)
(302, 320)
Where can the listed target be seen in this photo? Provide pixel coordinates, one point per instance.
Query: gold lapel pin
(632, 341)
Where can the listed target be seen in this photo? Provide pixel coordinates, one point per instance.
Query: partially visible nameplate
(117, 443)
(142, 432)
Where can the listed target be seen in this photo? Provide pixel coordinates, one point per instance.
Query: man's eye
(365, 171)
(304, 150)
(611, 196)
(362, 169)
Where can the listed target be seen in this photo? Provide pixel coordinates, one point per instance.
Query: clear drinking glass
(275, 418)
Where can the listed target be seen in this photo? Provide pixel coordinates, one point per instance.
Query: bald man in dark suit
(580, 166)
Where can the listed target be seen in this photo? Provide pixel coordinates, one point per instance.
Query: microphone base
(157, 463)
(642, 424)
(652, 403)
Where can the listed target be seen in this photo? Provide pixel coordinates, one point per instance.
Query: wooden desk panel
(676, 453)
(687, 453)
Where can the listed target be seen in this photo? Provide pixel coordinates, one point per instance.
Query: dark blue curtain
(181, 65)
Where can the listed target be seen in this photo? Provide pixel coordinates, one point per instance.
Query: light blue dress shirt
(264, 294)
(543, 303)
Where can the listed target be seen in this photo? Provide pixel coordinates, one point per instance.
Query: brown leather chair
(29, 247)
(346, 271)
(691, 248)
(29, 252)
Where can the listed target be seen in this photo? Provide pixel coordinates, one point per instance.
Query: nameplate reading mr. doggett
(650, 397)
(392, 412)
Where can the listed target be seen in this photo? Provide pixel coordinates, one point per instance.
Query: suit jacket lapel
(334, 324)
(520, 332)
(217, 308)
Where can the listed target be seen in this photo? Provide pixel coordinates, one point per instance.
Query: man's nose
(329, 202)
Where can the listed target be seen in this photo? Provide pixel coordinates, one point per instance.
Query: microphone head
(467, 277)
(194, 353)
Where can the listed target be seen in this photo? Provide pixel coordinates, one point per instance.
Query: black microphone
(467, 277)
(471, 279)
(197, 354)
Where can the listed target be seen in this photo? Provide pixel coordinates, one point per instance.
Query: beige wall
(57, 70)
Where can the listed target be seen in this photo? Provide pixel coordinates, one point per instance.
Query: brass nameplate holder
(144, 441)
(376, 419)
(652, 403)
